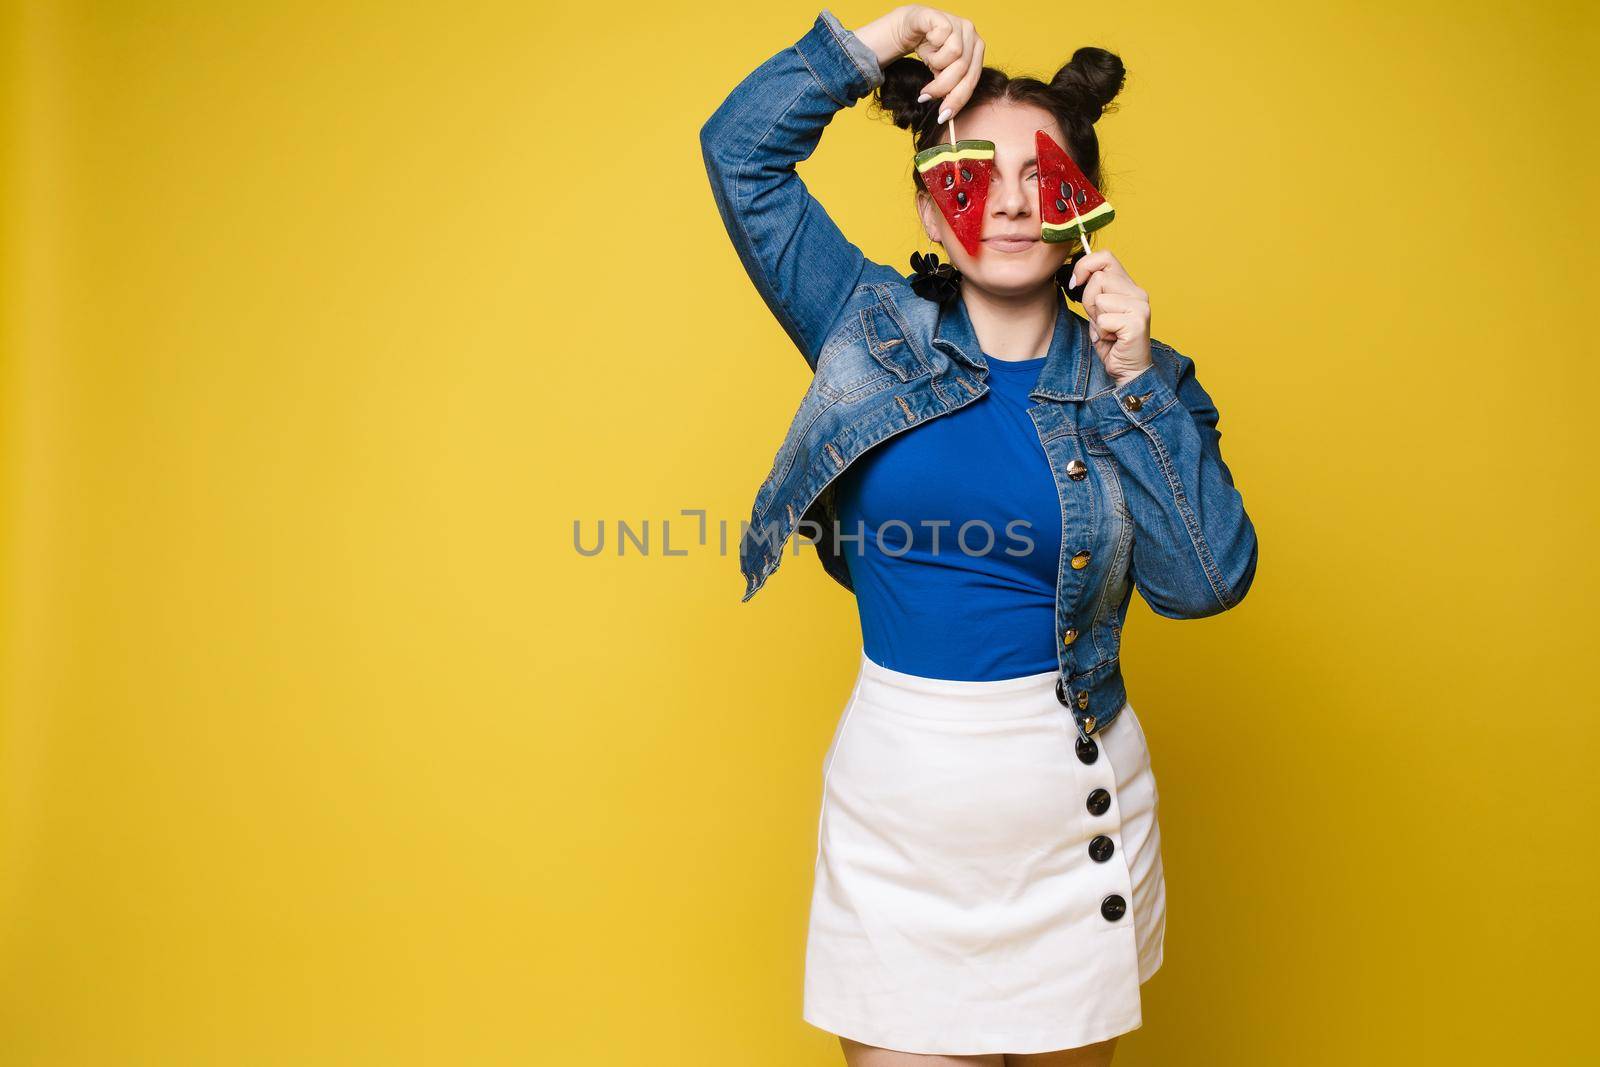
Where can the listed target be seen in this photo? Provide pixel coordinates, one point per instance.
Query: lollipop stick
(1083, 234)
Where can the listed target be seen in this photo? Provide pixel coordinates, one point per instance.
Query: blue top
(937, 602)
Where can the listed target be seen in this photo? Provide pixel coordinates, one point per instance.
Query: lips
(1011, 242)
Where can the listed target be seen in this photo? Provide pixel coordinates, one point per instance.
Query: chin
(1011, 278)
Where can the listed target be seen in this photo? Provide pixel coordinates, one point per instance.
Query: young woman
(988, 885)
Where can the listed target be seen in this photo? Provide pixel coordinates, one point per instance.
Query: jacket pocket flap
(1093, 443)
(886, 340)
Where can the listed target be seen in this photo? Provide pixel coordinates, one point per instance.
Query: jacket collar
(1069, 365)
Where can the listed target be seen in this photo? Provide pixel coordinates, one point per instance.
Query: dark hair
(1077, 96)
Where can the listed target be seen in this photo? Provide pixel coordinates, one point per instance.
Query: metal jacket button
(1113, 907)
(1080, 559)
(1069, 636)
(1083, 699)
(1099, 802)
(1088, 751)
(1134, 403)
(1101, 848)
(1077, 469)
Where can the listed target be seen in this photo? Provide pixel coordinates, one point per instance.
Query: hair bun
(1091, 80)
(903, 80)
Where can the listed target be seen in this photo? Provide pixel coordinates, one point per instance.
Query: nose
(1010, 200)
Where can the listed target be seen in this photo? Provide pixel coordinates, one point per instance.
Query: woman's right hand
(947, 43)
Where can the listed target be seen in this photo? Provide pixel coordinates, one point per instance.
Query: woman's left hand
(1119, 315)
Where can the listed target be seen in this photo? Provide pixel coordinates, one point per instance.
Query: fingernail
(924, 98)
(944, 116)
(1073, 284)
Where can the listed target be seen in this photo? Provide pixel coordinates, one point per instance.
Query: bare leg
(1095, 1055)
(858, 1055)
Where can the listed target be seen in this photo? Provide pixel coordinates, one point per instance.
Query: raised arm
(1194, 546)
(802, 265)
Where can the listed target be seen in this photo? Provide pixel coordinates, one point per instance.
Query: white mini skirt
(983, 884)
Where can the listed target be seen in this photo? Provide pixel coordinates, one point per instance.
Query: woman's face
(1004, 268)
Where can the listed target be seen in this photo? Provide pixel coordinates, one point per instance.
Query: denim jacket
(1146, 499)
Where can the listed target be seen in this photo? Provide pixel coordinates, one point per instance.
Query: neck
(1012, 326)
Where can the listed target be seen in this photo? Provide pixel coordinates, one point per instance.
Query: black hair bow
(939, 282)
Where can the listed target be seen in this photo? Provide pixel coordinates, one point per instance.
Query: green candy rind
(1056, 232)
(962, 149)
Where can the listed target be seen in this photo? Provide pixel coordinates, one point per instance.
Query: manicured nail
(944, 116)
(924, 98)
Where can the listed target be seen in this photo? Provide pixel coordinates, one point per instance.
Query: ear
(931, 217)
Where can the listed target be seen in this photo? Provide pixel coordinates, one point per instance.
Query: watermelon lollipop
(957, 177)
(1062, 187)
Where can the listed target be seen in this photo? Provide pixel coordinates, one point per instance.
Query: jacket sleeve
(802, 265)
(1194, 546)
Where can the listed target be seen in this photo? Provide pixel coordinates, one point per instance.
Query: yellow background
(324, 322)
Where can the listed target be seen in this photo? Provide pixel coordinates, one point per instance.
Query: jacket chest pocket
(1105, 465)
(884, 336)
(868, 354)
